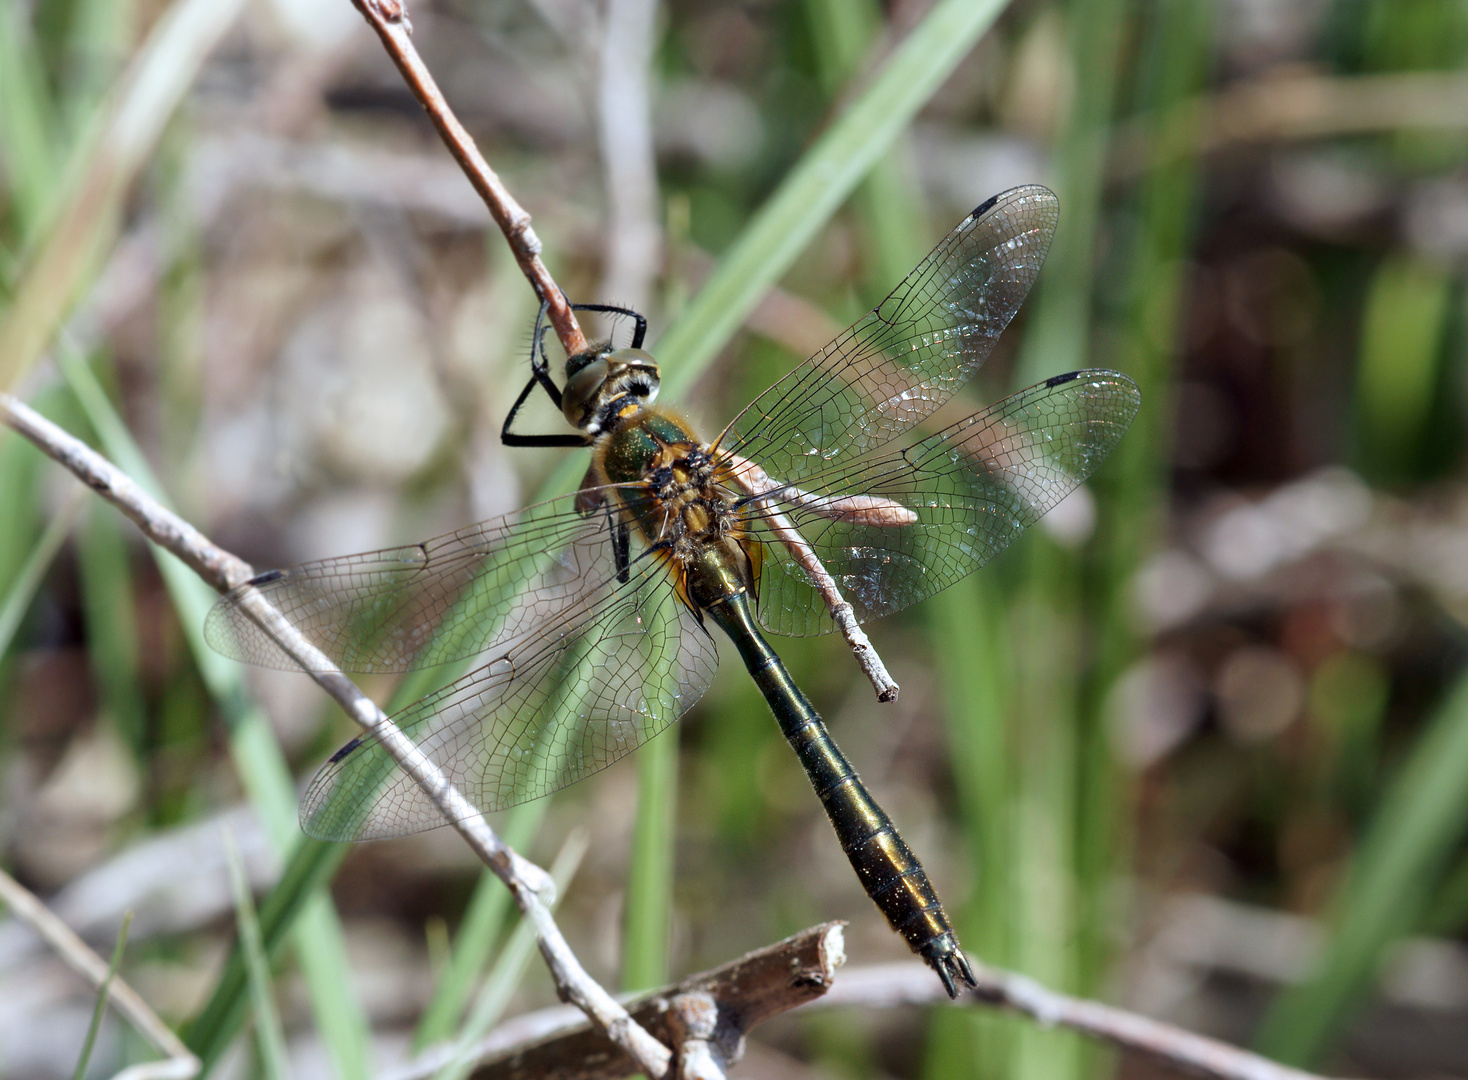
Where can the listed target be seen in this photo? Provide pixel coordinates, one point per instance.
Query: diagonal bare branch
(389, 18)
(528, 883)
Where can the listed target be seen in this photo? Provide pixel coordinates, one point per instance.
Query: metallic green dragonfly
(589, 615)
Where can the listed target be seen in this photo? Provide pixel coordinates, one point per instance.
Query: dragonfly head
(601, 383)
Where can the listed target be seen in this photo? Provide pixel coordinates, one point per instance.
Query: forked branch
(705, 1017)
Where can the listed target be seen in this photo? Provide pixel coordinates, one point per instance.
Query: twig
(755, 481)
(527, 882)
(390, 19)
(886, 985)
(706, 1016)
(772, 980)
(181, 1064)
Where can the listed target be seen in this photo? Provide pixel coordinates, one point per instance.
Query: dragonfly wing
(419, 605)
(899, 527)
(907, 356)
(590, 676)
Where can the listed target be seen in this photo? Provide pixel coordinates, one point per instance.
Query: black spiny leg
(639, 330)
(621, 545)
(539, 376)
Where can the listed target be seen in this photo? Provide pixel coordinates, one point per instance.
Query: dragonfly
(589, 618)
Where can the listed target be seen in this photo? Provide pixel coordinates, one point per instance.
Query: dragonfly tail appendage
(946, 958)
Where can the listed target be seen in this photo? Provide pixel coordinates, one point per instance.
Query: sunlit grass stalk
(478, 931)
(112, 626)
(100, 1009)
(269, 1034)
(647, 917)
(966, 623)
(28, 119)
(1048, 619)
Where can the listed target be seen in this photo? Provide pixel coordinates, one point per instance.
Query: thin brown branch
(909, 983)
(390, 19)
(25, 906)
(529, 884)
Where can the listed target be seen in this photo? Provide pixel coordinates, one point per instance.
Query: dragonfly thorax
(670, 492)
(604, 384)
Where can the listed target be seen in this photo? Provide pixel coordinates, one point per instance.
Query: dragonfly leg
(510, 438)
(621, 545)
(639, 329)
(540, 376)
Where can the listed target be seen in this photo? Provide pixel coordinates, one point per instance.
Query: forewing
(584, 682)
(968, 491)
(908, 355)
(423, 604)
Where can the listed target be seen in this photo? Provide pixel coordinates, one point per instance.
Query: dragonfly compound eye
(583, 392)
(599, 388)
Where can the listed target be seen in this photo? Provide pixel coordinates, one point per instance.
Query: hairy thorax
(672, 493)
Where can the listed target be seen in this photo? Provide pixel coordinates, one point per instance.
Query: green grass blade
(966, 624)
(510, 968)
(819, 183)
(23, 587)
(90, 1042)
(1402, 331)
(270, 1035)
(648, 915)
(1422, 818)
(112, 624)
(287, 910)
(480, 929)
(27, 117)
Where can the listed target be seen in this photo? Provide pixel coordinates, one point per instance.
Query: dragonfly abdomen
(889, 871)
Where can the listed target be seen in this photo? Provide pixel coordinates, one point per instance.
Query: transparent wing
(423, 604)
(577, 685)
(898, 527)
(908, 355)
